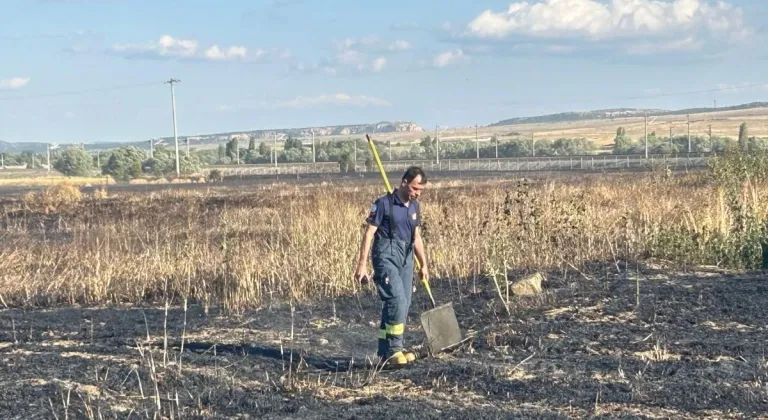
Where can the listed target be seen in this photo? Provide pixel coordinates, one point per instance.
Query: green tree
(252, 143)
(232, 146)
(346, 162)
(292, 143)
(124, 163)
(162, 163)
(74, 162)
(264, 149)
(428, 145)
(188, 164)
(622, 143)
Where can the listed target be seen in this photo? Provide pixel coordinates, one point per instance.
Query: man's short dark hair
(412, 173)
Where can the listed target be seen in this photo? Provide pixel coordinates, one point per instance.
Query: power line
(79, 92)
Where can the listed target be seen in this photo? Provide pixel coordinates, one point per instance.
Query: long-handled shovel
(440, 323)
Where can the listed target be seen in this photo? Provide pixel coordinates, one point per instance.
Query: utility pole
(670, 134)
(390, 150)
(497, 146)
(50, 147)
(437, 145)
(151, 148)
(646, 136)
(175, 134)
(477, 143)
(533, 146)
(313, 147)
(689, 134)
(186, 140)
(274, 149)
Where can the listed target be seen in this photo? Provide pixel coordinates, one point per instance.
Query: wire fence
(559, 163)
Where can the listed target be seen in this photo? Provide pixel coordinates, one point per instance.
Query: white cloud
(14, 83)
(400, 45)
(449, 57)
(350, 57)
(367, 54)
(170, 47)
(320, 67)
(686, 44)
(348, 44)
(231, 53)
(619, 18)
(338, 99)
(166, 46)
(379, 63)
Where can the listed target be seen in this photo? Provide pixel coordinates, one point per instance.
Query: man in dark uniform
(392, 258)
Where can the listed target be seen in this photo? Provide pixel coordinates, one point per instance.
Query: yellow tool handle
(425, 280)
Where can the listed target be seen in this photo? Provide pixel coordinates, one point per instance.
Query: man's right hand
(361, 274)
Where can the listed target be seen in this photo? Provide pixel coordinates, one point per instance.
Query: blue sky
(93, 70)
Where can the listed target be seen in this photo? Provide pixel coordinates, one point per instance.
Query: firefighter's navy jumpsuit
(392, 257)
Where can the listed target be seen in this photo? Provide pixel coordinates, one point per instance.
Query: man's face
(414, 188)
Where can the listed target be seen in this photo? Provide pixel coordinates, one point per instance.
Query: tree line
(345, 152)
(624, 144)
(131, 162)
(122, 164)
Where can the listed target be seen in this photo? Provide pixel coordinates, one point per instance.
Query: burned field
(211, 304)
(693, 348)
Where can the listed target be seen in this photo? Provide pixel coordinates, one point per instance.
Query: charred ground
(693, 348)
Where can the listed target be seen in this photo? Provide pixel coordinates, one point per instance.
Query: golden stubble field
(603, 132)
(223, 304)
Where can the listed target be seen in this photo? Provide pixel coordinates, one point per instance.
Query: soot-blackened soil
(693, 348)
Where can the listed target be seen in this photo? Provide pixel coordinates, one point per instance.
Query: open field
(256, 176)
(235, 304)
(602, 132)
(693, 348)
(18, 178)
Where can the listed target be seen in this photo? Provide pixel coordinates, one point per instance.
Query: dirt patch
(693, 348)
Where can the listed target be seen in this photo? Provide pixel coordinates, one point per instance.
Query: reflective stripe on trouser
(393, 275)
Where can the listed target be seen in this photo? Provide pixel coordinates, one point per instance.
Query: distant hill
(37, 147)
(606, 114)
(8, 147)
(306, 132)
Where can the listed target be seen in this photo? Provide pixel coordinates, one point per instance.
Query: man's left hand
(423, 274)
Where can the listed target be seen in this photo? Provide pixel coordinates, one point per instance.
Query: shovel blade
(441, 327)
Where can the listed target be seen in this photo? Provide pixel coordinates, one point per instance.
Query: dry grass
(245, 250)
(240, 304)
(18, 180)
